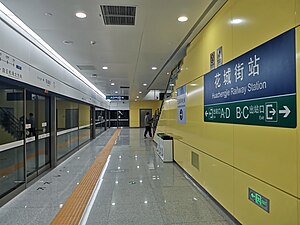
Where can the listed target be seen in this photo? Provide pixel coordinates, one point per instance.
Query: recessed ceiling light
(154, 68)
(68, 42)
(80, 15)
(105, 67)
(140, 92)
(135, 100)
(116, 92)
(168, 73)
(137, 96)
(182, 19)
(112, 84)
(172, 85)
(236, 21)
(48, 14)
(144, 84)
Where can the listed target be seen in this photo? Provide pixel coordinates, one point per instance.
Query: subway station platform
(136, 187)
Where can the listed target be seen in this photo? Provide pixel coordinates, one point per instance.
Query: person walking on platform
(148, 122)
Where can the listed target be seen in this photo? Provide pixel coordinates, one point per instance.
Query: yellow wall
(233, 158)
(134, 109)
(84, 115)
(62, 105)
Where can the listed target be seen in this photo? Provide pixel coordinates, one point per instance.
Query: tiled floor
(137, 188)
(39, 207)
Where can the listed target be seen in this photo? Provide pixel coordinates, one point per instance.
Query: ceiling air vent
(118, 15)
(86, 67)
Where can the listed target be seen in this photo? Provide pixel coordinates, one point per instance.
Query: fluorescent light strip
(54, 54)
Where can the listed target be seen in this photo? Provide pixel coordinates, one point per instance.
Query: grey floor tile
(137, 188)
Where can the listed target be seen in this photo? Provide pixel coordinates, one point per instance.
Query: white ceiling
(129, 52)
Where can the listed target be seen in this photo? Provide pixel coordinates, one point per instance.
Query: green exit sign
(259, 200)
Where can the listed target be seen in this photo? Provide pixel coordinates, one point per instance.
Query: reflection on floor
(137, 188)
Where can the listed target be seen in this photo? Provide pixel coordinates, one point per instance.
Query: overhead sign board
(257, 88)
(116, 97)
(181, 106)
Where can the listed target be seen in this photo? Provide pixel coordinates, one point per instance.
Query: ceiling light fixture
(145, 84)
(105, 67)
(112, 84)
(92, 42)
(137, 96)
(154, 68)
(68, 42)
(116, 92)
(236, 21)
(80, 15)
(172, 85)
(182, 19)
(140, 92)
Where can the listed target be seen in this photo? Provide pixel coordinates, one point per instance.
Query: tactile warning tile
(75, 205)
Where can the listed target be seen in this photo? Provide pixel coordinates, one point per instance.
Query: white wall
(39, 69)
(119, 105)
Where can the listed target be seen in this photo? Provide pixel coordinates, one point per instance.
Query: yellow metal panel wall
(84, 115)
(283, 207)
(263, 20)
(134, 110)
(265, 159)
(215, 176)
(268, 154)
(298, 102)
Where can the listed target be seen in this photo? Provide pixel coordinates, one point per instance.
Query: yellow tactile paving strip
(75, 205)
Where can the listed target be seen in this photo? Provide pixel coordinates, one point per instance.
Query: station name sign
(257, 88)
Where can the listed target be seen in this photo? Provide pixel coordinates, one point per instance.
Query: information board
(257, 88)
(181, 106)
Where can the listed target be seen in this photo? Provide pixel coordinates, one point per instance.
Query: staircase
(11, 124)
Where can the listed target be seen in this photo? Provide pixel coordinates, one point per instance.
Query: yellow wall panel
(297, 13)
(262, 22)
(134, 110)
(283, 207)
(216, 177)
(268, 154)
(298, 100)
(214, 35)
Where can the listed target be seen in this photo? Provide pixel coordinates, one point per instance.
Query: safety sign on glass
(181, 106)
(257, 88)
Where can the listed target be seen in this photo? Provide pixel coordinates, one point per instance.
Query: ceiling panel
(128, 51)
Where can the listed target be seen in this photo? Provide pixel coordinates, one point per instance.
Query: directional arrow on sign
(286, 111)
(273, 111)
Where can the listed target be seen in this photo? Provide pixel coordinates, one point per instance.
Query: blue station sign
(257, 88)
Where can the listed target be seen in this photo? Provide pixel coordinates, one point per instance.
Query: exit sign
(259, 200)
